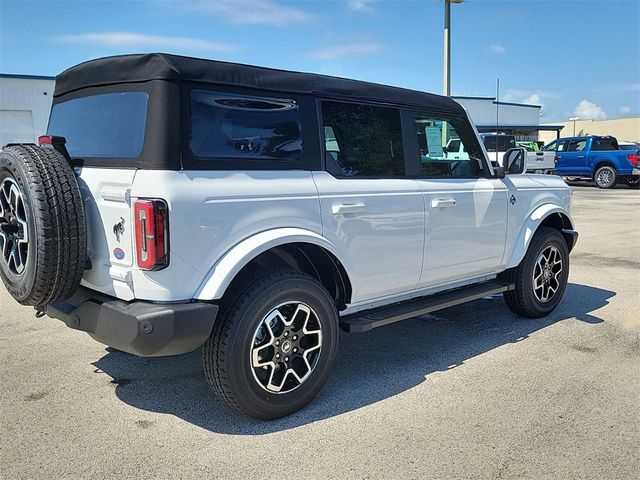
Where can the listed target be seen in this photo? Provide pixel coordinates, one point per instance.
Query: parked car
(161, 213)
(595, 157)
(536, 161)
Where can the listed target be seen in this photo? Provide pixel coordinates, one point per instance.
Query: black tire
(228, 353)
(54, 256)
(633, 181)
(605, 177)
(524, 299)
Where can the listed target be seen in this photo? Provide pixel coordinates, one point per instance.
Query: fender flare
(535, 218)
(229, 265)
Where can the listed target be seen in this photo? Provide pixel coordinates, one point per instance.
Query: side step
(377, 317)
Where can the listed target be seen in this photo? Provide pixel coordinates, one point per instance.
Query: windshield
(110, 125)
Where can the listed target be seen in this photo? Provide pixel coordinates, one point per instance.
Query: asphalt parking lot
(471, 392)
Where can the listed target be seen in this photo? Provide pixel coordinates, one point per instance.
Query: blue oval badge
(118, 253)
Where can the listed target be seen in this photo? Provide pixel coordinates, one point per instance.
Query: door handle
(346, 208)
(443, 202)
(580, 156)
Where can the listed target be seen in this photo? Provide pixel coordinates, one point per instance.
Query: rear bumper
(142, 328)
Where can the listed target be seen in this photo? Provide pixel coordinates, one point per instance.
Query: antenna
(497, 105)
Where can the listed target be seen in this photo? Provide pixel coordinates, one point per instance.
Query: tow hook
(41, 311)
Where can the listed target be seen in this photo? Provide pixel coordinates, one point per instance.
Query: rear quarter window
(244, 128)
(106, 125)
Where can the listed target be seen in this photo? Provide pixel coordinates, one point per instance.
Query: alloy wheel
(14, 234)
(604, 177)
(547, 273)
(286, 347)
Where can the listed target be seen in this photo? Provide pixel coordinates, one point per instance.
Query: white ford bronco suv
(178, 203)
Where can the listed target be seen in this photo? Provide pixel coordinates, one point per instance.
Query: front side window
(362, 140)
(109, 125)
(444, 150)
(234, 127)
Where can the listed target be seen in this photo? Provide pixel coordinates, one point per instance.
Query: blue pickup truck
(597, 158)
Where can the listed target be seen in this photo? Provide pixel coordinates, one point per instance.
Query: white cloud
(254, 12)
(359, 5)
(338, 50)
(624, 110)
(496, 48)
(131, 40)
(589, 110)
(533, 99)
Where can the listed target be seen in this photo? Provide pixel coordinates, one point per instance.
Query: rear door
(371, 211)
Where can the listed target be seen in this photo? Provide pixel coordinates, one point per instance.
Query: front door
(466, 212)
(573, 160)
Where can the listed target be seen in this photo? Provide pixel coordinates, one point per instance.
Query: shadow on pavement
(369, 367)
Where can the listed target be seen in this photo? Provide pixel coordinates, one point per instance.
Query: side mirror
(514, 161)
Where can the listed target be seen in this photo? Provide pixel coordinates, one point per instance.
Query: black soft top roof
(175, 68)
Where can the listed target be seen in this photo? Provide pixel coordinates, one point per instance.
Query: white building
(519, 119)
(25, 102)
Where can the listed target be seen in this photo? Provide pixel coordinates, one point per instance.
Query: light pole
(446, 80)
(574, 124)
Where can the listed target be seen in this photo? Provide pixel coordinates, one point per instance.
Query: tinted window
(443, 149)
(499, 143)
(244, 127)
(577, 145)
(607, 143)
(362, 140)
(106, 125)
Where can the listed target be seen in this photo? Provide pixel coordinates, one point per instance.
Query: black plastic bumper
(138, 327)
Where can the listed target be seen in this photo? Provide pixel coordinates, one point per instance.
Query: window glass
(498, 143)
(244, 127)
(605, 143)
(577, 145)
(362, 140)
(552, 147)
(443, 150)
(105, 125)
(562, 145)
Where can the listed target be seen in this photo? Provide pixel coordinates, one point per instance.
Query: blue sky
(573, 57)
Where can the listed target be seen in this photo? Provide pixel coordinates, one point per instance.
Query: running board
(377, 317)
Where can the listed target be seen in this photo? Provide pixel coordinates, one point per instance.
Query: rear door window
(244, 128)
(362, 140)
(577, 145)
(108, 125)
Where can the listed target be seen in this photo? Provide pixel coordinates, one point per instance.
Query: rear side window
(362, 140)
(110, 125)
(234, 127)
(499, 143)
(602, 144)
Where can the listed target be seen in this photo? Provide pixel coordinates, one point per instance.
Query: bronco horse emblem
(118, 229)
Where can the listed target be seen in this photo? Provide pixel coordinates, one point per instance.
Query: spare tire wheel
(42, 225)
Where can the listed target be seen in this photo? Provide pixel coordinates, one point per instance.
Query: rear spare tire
(42, 225)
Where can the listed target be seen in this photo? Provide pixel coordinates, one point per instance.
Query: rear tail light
(152, 234)
(633, 159)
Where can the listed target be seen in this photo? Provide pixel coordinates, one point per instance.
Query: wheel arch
(548, 215)
(294, 248)
(601, 162)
